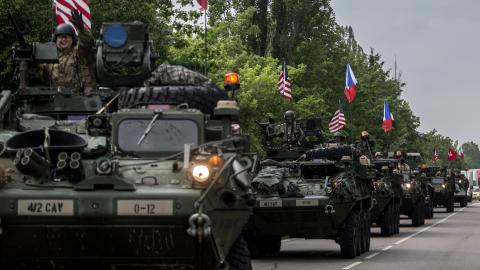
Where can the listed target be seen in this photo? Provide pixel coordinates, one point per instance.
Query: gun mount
(281, 145)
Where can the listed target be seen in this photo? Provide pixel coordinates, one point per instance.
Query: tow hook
(199, 226)
(329, 209)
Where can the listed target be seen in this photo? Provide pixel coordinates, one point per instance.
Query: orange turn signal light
(215, 161)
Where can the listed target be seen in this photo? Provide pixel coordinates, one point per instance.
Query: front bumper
(309, 217)
(104, 228)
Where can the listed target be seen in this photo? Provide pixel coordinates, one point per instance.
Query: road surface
(449, 241)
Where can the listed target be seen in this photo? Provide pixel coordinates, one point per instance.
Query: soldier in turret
(74, 70)
(292, 135)
(402, 165)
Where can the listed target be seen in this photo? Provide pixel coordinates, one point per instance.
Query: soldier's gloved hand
(77, 19)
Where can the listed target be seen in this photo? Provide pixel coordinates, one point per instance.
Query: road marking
(427, 228)
(372, 255)
(387, 248)
(351, 265)
(406, 238)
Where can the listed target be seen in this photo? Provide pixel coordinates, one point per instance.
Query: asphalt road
(448, 241)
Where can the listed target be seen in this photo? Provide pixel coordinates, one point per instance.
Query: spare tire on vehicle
(203, 98)
(331, 153)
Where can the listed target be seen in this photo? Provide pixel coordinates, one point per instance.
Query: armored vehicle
(416, 196)
(161, 182)
(461, 188)
(307, 191)
(443, 185)
(386, 197)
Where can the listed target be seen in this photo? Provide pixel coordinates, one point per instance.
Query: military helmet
(65, 29)
(289, 115)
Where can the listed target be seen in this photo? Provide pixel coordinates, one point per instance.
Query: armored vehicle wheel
(329, 153)
(418, 214)
(238, 257)
(463, 202)
(397, 218)
(349, 237)
(203, 98)
(264, 245)
(450, 203)
(429, 211)
(367, 225)
(359, 237)
(387, 221)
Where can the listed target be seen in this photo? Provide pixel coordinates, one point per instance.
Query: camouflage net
(166, 74)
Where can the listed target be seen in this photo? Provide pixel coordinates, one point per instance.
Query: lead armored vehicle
(161, 183)
(307, 191)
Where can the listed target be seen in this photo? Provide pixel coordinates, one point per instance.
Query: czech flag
(350, 85)
(387, 118)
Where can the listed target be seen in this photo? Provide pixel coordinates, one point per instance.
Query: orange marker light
(215, 161)
(231, 78)
(231, 81)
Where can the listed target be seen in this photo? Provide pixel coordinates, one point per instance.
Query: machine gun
(26, 53)
(279, 146)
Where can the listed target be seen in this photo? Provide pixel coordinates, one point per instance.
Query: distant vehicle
(476, 192)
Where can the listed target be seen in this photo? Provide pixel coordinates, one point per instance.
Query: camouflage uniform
(74, 70)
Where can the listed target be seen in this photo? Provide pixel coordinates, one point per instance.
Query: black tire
(368, 225)
(463, 202)
(264, 245)
(397, 218)
(428, 211)
(329, 153)
(239, 258)
(450, 204)
(202, 98)
(386, 224)
(358, 224)
(348, 237)
(418, 215)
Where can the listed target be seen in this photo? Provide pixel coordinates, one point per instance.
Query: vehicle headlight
(408, 185)
(443, 186)
(200, 173)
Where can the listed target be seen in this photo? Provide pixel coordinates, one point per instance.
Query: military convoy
(153, 169)
(156, 176)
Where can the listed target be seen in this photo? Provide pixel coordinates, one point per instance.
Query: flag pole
(205, 41)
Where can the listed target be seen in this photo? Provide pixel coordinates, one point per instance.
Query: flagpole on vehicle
(205, 40)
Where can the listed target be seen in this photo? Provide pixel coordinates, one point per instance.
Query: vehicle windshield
(438, 181)
(165, 135)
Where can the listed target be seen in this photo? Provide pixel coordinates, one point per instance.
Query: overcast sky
(436, 43)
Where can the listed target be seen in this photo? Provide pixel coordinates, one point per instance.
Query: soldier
(339, 137)
(402, 165)
(74, 70)
(292, 134)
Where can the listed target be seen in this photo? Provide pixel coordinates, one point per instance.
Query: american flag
(435, 156)
(63, 10)
(338, 120)
(284, 84)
